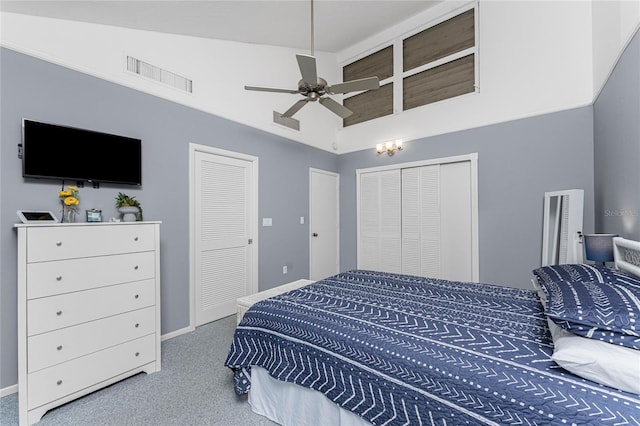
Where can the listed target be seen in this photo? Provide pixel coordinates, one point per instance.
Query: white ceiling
(337, 23)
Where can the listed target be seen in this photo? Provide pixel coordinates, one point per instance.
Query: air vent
(158, 74)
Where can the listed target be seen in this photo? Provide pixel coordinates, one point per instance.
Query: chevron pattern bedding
(398, 349)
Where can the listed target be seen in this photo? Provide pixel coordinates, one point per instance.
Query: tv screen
(51, 151)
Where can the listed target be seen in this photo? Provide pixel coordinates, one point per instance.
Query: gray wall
(617, 148)
(39, 90)
(518, 162)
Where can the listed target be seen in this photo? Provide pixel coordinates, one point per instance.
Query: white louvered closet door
(421, 225)
(419, 220)
(456, 229)
(223, 247)
(379, 222)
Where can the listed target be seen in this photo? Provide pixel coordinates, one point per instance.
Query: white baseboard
(8, 390)
(177, 333)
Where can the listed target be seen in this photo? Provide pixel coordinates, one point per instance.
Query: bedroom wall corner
(617, 147)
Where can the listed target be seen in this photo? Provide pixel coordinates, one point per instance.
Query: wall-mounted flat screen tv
(52, 151)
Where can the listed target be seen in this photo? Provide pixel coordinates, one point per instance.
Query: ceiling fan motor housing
(312, 91)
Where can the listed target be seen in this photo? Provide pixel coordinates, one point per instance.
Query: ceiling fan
(314, 88)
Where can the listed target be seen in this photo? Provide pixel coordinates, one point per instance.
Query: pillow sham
(601, 362)
(603, 311)
(583, 272)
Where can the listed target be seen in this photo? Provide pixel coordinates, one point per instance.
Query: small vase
(129, 214)
(68, 215)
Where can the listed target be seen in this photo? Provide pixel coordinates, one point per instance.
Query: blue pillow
(579, 272)
(607, 311)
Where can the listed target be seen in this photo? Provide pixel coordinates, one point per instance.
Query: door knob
(315, 234)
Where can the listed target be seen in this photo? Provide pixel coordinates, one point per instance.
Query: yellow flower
(69, 196)
(71, 201)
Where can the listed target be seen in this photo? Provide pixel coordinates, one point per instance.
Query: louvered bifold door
(223, 255)
(421, 221)
(456, 247)
(411, 252)
(379, 245)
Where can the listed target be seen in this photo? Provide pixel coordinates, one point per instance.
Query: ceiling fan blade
(335, 107)
(370, 83)
(308, 69)
(268, 89)
(295, 108)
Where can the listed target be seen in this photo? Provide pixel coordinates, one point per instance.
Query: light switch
(267, 221)
(301, 220)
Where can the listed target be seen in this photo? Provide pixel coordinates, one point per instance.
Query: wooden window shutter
(374, 103)
(451, 79)
(378, 64)
(439, 41)
(369, 105)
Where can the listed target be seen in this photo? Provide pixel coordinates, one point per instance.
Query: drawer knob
(137, 353)
(136, 296)
(59, 382)
(135, 267)
(59, 313)
(59, 243)
(137, 325)
(59, 278)
(59, 347)
(135, 239)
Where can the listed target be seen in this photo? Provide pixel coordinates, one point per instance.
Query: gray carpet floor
(193, 387)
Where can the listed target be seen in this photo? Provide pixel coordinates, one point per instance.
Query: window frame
(398, 66)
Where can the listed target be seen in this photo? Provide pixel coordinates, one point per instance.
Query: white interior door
(324, 226)
(224, 255)
(379, 221)
(420, 218)
(456, 249)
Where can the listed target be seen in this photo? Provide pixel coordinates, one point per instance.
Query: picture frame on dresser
(88, 309)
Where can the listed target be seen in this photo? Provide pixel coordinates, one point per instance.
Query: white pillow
(541, 295)
(602, 362)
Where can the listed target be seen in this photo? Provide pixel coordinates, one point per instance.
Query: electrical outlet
(284, 269)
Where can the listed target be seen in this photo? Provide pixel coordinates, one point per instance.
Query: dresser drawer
(52, 313)
(56, 243)
(71, 376)
(65, 276)
(47, 349)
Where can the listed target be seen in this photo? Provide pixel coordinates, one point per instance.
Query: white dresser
(88, 309)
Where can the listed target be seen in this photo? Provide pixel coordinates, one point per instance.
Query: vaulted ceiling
(337, 23)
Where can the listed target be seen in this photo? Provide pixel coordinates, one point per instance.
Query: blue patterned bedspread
(398, 349)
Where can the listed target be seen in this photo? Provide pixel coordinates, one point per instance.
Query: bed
(370, 347)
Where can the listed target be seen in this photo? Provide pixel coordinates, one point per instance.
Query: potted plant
(129, 207)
